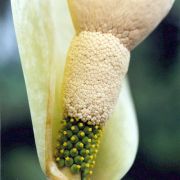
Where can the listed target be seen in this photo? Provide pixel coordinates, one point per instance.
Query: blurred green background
(154, 76)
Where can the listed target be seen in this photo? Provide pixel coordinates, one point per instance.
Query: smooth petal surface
(44, 31)
(43, 36)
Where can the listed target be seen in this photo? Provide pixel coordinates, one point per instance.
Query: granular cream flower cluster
(96, 65)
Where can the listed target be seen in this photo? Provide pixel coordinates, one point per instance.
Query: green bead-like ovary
(77, 146)
(74, 152)
(66, 153)
(75, 168)
(61, 163)
(74, 138)
(68, 161)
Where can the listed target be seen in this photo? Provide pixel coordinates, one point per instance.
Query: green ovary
(77, 146)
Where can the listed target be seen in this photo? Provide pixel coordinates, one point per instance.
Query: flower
(44, 32)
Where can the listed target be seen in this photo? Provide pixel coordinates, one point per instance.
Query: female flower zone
(83, 116)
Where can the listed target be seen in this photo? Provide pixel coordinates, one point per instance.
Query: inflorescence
(77, 146)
